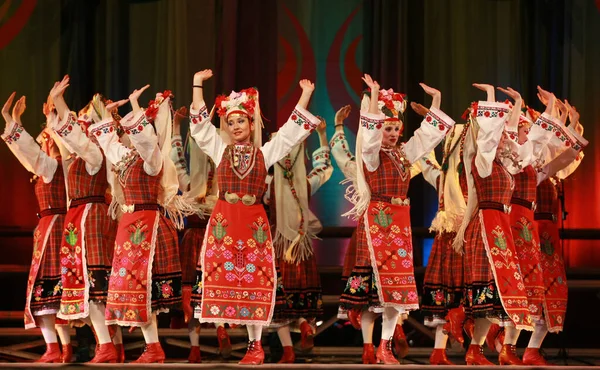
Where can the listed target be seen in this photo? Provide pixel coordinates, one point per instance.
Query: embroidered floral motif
(14, 135)
(370, 123)
(301, 120)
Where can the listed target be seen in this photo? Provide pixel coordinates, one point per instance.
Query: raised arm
(321, 161)
(23, 146)
(201, 129)
(177, 154)
(340, 150)
(300, 124)
(371, 124)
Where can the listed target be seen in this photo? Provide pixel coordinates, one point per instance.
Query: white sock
(390, 318)
(250, 329)
(118, 338)
(441, 339)
(63, 333)
(538, 335)
(511, 335)
(194, 332)
(219, 325)
(367, 323)
(97, 316)
(482, 326)
(47, 323)
(258, 329)
(284, 336)
(150, 331)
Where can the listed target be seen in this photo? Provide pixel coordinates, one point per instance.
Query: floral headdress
(390, 103)
(244, 102)
(153, 105)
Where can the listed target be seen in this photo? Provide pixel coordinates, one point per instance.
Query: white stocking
(440, 338)
(390, 318)
(63, 334)
(538, 335)
(284, 336)
(511, 334)
(194, 332)
(367, 323)
(118, 338)
(482, 326)
(97, 316)
(47, 323)
(258, 329)
(150, 331)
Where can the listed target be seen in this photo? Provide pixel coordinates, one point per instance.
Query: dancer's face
(391, 134)
(523, 132)
(239, 127)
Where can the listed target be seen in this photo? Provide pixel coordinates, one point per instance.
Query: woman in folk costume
(201, 186)
(346, 161)
(145, 279)
(382, 280)
(89, 232)
(45, 160)
(494, 289)
(238, 279)
(295, 225)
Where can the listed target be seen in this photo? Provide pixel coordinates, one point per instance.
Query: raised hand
(514, 94)
(18, 110)
(116, 104)
(370, 82)
(435, 94)
(564, 112)
(322, 126)
(419, 109)
(489, 89)
(134, 96)
(573, 113)
(342, 114)
(6, 107)
(202, 76)
(547, 98)
(306, 86)
(59, 89)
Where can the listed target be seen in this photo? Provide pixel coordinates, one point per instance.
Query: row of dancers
(113, 191)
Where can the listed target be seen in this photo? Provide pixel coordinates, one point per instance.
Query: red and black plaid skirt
(444, 280)
(189, 248)
(350, 257)
(302, 290)
(100, 233)
(48, 276)
(480, 291)
(166, 266)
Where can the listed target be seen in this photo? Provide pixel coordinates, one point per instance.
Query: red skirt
(238, 277)
(350, 257)
(301, 289)
(44, 289)
(145, 275)
(527, 244)
(555, 278)
(86, 255)
(444, 280)
(493, 284)
(383, 274)
(191, 243)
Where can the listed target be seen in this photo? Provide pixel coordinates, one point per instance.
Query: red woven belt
(51, 212)
(544, 216)
(86, 200)
(495, 205)
(524, 203)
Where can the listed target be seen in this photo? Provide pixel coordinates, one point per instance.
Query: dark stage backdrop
(114, 46)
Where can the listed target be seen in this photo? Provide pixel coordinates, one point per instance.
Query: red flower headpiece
(243, 102)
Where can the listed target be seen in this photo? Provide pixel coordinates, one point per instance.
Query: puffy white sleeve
(105, 132)
(205, 134)
(76, 140)
(432, 131)
(567, 161)
(491, 117)
(322, 169)
(541, 133)
(178, 158)
(28, 152)
(371, 125)
(340, 150)
(297, 128)
(144, 139)
(430, 168)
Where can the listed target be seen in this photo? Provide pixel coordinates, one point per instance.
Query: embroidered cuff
(488, 109)
(321, 155)
(372, 121)
(133, 124)
(103, 127)
(12, 132)
(65, 126)
(547, 122)
(578, 142)
(439, 119)
(304, 118)
(197, 116)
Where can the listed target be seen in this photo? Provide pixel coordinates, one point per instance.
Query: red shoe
(224, 342)
(186, 297)
(194, 357)
(105, 353)
(52, 354)
(400, 342)
(384, 353)
(288, 355)
(254, 355)
(307, 336)
(508, 355)
(532, 356)
(120, 353)
(438, 357)
(499, 342)
(454, 324)
(153, 353)
(368, 356)
(492, 335)
(470, 328)
(354, 316)
(67, 353)
(475, 356)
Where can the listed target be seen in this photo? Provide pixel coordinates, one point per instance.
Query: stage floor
(219, 366)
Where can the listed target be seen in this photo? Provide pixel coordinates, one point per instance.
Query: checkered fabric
(166, 266)
(252, 184)
(302, 286)
(547, 198)
(82, 184)
(391, 178)
(189, 249)
(443, 285)
(138, 186)
(54, 194)
(525, 184)
(349, 258)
